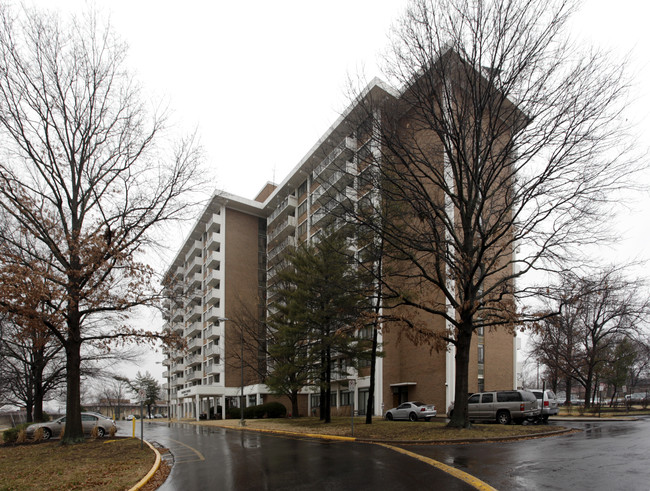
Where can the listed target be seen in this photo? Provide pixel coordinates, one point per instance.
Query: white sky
(262, 80)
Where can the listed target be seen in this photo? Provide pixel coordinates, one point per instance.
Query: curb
(153, 470)
(400, 442)
(292, 433)
(475, 482)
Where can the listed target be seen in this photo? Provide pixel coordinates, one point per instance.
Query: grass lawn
(102, 464)
(381, 429)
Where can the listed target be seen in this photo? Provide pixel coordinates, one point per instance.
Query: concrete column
(197, 406)
(223, 407)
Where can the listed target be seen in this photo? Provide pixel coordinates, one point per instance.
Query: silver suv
(502, 406)
(547, 403)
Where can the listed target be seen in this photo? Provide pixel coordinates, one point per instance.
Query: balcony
(165, 387)
(274, 270)
(213, 369)
(329, 187)
(213, 332)
(194, 342)
(194, 265)
(345, 197)
(193, 313)
(274, 253)
(213, 297)
(214, 259)
(214, 224)
(176, 315)
(179, 380)
(167, 361)
(194, 360)
(213, 351)
(286, 207)
(196, 375)
(283, 229)
(343, 150)
(166, 374)
(213, 314)
(177, 368)
(213, 243)
(195, 248)
(213, 278)
(193, 281)
(193, 296)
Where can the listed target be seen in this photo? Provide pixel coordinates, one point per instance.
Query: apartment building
(232, 257)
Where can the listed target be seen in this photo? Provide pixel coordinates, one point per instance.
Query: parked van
(502, 406)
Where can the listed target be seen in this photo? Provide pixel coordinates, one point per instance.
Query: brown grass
(380, 429)
(94, 464)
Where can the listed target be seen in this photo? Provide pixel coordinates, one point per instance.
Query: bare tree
(597, 313)
(32, 364)
(496, 157)
(84, 177)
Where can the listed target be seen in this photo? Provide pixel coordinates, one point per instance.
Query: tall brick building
(232, 256)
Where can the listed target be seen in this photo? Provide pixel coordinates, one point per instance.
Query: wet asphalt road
(601, 456)
(214, 458)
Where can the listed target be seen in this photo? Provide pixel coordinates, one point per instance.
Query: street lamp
(241, 396)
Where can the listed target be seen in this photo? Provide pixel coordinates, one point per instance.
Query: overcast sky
(262, 80)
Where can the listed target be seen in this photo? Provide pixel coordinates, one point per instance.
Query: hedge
(268, 410)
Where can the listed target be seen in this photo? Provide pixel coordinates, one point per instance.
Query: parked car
(547, 403)
(502, 406)
(158, 416)
(52, 429)
(131, 417)
(412, 411)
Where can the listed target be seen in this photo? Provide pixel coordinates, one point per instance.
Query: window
(252, 400)
(302, 189)
(474, 399)
(480, 330)
(345, 398)
(488, 397)
(333, 399)
(508, 396)
(365, 332)
(302, 229)
(481, 353)
(363, 401)
(302, 209)
(314, 400)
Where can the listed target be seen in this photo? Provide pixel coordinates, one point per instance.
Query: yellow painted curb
(153, 470)
(290, 433)
(463, 476)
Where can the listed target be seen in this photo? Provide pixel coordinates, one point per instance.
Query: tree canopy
(496, 157)
(85, 177)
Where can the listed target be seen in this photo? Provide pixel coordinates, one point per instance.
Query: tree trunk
(590, 378)
(371, 389)
(460, 417)
(328, 386)
(73, 429)
(567, 387)
(295, 411)
(38, 392)
(29, 407)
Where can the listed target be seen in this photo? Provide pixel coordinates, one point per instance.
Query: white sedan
(412, 411)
